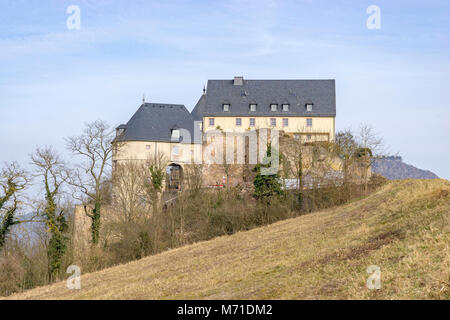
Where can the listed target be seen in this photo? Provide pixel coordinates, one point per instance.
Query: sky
(53, 78)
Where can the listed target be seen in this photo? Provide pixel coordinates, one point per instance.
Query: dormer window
(119, 132)
(273, 107)
(253, 107)
(309, 107)
(226, 107)
(175, 135)
(285, 107)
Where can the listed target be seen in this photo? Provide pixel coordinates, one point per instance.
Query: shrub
(267, 185)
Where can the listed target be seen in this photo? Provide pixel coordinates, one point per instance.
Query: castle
(235, 114)
(302, 109)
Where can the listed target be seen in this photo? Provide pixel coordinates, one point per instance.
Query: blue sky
(52, 79)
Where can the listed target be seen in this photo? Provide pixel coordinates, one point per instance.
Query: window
(211, 122)
(119, 132)
(175, 135)
(238, 122)
(309, 107)
(273, 107)
(253, 107)
(309, 122)
(273, 122)
(285, 122)
(252, 122)
(147, 147)
(226, 107)
(285, 107)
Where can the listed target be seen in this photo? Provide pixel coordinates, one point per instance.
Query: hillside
(394, 168)
(403, 228)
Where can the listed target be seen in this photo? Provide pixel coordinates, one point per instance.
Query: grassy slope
(403, 228)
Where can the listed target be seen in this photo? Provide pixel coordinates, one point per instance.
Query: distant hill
(402, 228)
(394, 168)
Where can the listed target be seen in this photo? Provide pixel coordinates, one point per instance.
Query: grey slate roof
(296, 93)
(199, 109)
(155, 121)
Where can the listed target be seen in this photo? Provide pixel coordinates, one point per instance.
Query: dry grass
(403, 228)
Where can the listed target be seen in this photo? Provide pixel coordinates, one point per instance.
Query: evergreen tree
(267, 185)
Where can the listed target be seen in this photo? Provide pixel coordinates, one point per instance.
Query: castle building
(303, 109)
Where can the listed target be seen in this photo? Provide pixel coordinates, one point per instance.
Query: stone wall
(82, 229)
(81, 232)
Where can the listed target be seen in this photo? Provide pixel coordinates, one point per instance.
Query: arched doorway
(174, 173)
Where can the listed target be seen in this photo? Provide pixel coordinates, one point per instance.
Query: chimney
(238, 81)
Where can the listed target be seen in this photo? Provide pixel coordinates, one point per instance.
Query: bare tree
(95, 147)
(194, 177)
(370, 146)
(13, 179)
(130, 190)
(345, 147)
(154, 182)
(155, 174)
(293, 162)
(54, 174)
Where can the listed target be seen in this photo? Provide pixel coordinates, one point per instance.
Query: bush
(202, 214)
(12, 275)
(267, 185)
